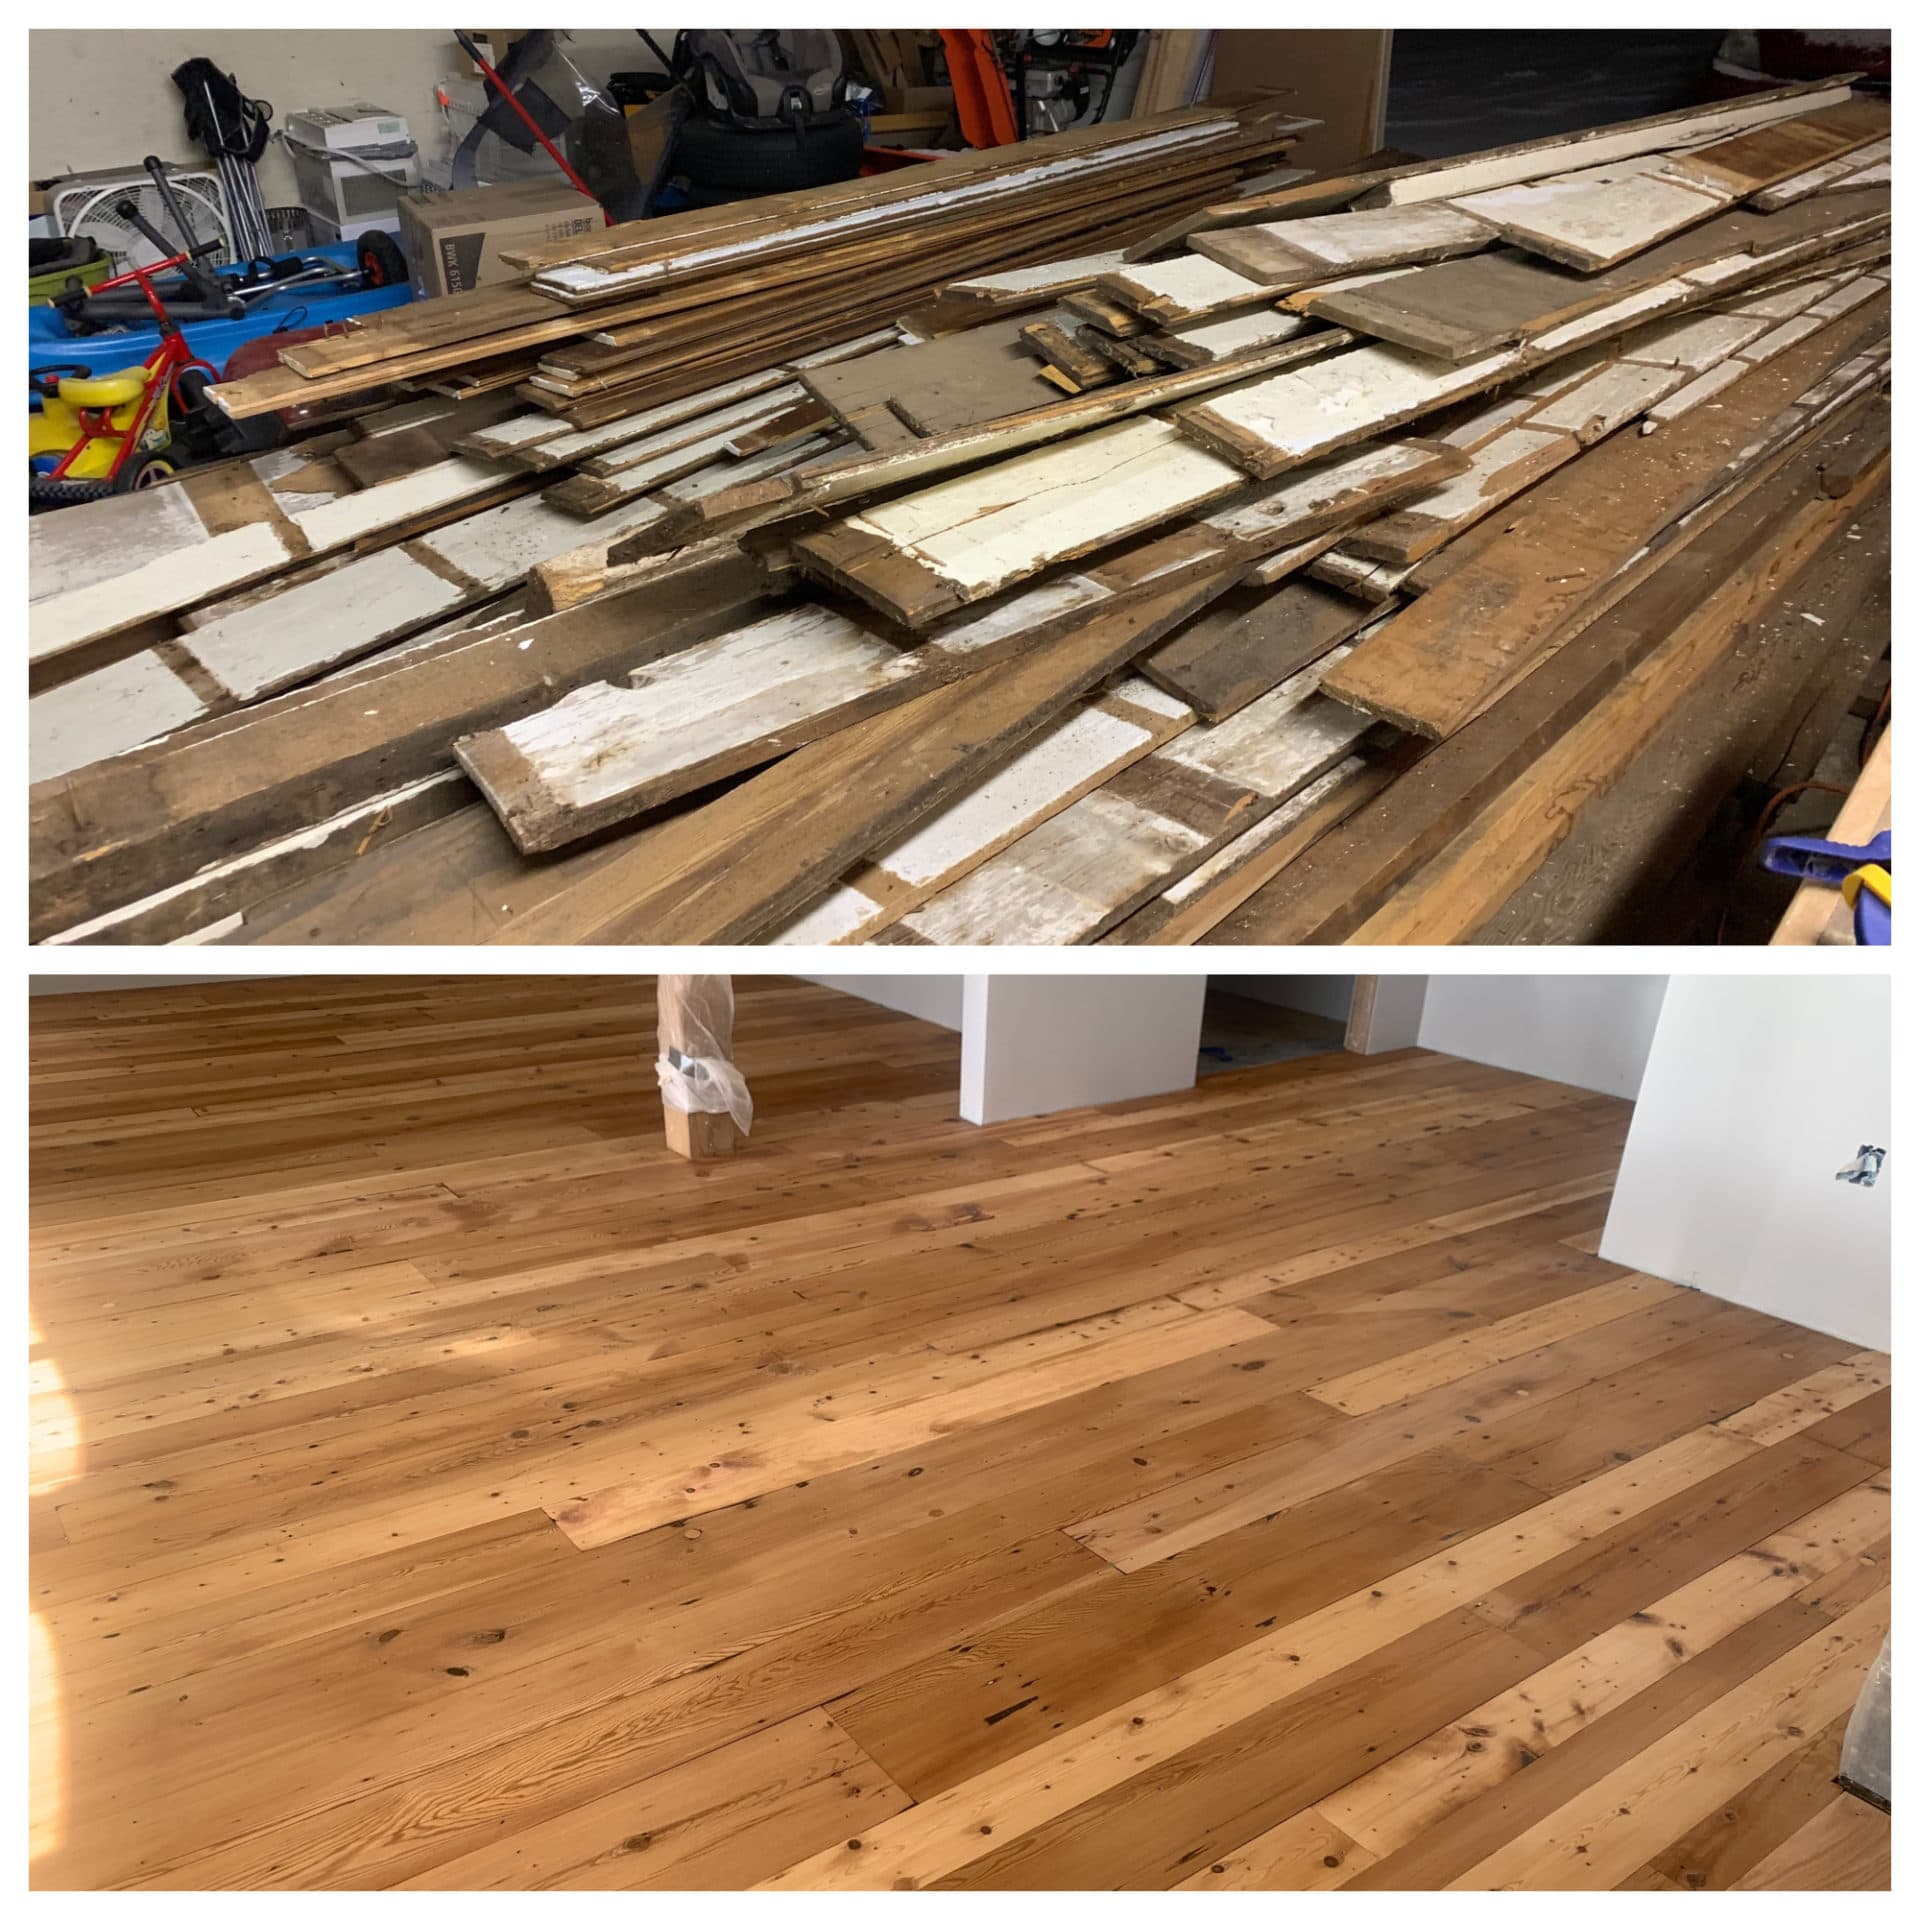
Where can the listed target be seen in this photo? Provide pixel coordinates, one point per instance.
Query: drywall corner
(1041, 1043)
(1757, 1092)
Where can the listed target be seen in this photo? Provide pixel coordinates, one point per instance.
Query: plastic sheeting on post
(695, 1067)
(1866, 1754)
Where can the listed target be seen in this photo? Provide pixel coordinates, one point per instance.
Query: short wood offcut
(437, 1483)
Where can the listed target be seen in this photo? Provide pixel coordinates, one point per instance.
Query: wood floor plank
(1736, 1837)
(752, 1806)
(1619, 1822)
(1846, 1847)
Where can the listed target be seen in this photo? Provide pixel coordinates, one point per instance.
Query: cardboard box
(453, 240)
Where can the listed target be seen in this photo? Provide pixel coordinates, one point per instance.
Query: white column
(1391, 1004)
(1038, 1043)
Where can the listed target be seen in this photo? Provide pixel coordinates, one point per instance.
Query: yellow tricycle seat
(118, 389)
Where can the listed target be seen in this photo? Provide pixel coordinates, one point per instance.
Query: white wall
(102, 97)
(1588, 1030)
(1038, 1043)
(1328, 994)
(1758, 1090)
(927, 996)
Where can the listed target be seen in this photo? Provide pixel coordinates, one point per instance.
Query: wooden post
(700, 1136)
(696, 1025)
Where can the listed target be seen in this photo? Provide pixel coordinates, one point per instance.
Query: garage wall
(100, 98)
(103, 98)
(1588, 1030)
(1338, 76)
(1758, 1090)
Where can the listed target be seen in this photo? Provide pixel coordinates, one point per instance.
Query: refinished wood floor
(438, 1485)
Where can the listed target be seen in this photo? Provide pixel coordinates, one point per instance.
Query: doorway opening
(1258, 1019)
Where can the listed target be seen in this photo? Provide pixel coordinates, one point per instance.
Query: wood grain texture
(1432, 668)
(1336, 885)
(340, 1285)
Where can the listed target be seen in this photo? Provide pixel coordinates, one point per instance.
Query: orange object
(980, 95)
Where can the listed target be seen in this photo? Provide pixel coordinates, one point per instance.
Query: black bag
(219, 116)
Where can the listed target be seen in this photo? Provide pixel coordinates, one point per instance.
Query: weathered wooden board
(1430, 669)
(1601, 215)
(1104, 314)
(783, 225)
(1608, 398)
(1198, 901)
(1457, 893)
(1060, 350)
(170, 580)
(1411, 181)
(1502, 468)
(1132, 360)
(802, 493)
(1696, 392)
(1331, 890)
(214, 905)
(606, 753)
(1189, 288)
(1536, 159)
(738, 399)
(1461, 308)
(1481, 421)
(292, 635)
(713, 426)
(97, 570)
(1269, 423)
(745, 864)
(496, 548)
(931, 552)
(964, 378)
(429, 490)
(1030, 286)
(105, 712)
(1303, 504)
(1747, 163)
(1245, 644)
(1290, 560)
(1063, 762)
(1693, 342)
(1086, 869)
(1376, 582)
(798, 421)
(1303, 413)
(1861, 168)
(1296, 253)
(122, 830)
(1208, 341)
(588, 495)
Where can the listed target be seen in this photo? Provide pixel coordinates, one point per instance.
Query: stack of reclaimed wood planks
(638, 314)
(1317, 622)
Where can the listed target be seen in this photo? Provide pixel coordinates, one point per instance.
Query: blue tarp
(49, 342)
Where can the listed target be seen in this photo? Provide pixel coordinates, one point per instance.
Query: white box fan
(87, 204)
